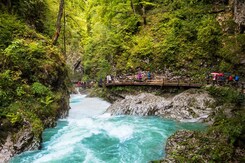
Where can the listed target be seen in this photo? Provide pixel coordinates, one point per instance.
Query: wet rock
(177, 143)
(18, 142)
(191, 105)
(239, 12)
(23, 139)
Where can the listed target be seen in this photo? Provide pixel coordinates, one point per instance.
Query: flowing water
(89, 136)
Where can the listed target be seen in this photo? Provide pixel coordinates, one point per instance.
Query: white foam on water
(86, 107)
(82, 122)
(54, 155)
(91, 158)
(122, 132)
(104, 116)
(77, 90)
(77, 97)
(87, 124)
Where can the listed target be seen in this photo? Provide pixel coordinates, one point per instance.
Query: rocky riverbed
(22, 138)
(188, 106)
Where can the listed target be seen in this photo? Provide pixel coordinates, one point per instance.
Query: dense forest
(117, 37)
(98, 37)
(33, 76)
(181, 36)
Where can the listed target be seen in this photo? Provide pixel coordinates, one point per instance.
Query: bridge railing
(159, 81)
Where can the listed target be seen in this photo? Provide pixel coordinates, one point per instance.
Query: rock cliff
(191, 105)
(24, 138)
(239, 12)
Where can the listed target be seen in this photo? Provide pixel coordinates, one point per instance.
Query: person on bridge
(108, 78)
(208, 78)
(220, 78)
(79, 84)
(236, 78)
(149, 75)
(230, 79)
(100, 83)
(226, 2)
(215, 76)
(139, 76)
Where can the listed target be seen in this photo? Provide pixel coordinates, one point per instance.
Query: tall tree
(143, 13)
(58, 22)
(132, 6)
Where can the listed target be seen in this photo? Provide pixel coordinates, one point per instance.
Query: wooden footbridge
(156, 82)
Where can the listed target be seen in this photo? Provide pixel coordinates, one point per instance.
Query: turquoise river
(88, 135)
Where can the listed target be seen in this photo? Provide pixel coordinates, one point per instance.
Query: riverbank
(188, 106)
(220, 107)
(88, 135)
(26, 133)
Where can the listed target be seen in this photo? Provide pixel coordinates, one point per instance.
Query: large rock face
(15, 143)
(24, 138)
(177, 143)
(191, 105)
(239, 12)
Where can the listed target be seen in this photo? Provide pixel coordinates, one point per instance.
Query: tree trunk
(64, 32)
(132, 6)
(143, 14)
(58, 22)
(9, 4)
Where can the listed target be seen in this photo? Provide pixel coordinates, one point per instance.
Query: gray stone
(191, 105)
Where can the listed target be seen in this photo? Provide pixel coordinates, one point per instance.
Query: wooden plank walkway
(161, 83)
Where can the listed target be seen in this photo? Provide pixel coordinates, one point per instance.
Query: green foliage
(14, 117)
(37, 126)
(20, 91)
(226, 95)
(183, 38)
(10, 27)
(112, 38)
(39, 89)
(32, 11)
(47, 101)
(223, 142)
(232, 127)
(32, 71)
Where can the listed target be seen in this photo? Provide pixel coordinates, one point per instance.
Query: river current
(88, 135)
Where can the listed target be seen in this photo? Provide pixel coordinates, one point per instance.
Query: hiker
(220, 79)
(236, 78)
(149, 75)
(108, 78)
(215, 79)
(230, 79)
(100, 83)
(78, 84)
(139, 76)
(208, 78)
(226, 2)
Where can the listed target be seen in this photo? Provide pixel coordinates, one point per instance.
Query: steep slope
(33, 85)
(180, 36)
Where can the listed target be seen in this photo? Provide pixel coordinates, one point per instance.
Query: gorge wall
(191, 105)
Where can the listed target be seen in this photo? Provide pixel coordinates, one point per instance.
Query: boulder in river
(189, 106)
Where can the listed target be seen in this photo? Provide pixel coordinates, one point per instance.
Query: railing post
(242, 87)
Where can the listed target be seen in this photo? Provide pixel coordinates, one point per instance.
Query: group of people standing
(223, 78)
(140, 76)
(87, 84)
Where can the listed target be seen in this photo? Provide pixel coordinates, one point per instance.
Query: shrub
(39, 89)
(226, 95)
